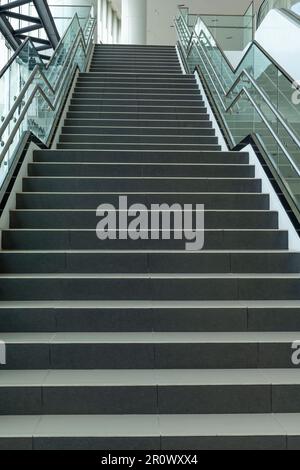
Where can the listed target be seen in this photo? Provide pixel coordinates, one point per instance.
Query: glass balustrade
(267, 5)
(32, 93)
(256, 97)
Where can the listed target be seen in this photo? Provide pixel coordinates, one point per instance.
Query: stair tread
(150, 338)
(268, 424)
(148, 377)
(152, 304)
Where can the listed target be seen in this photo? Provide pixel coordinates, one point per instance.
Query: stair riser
(75, 112)
(139, 139)
(138, 131)
(77, 240)
(177, 95)
(143, 69)
(90, 201)
(141, 109)
(235, 288)
(143, 263)
(102, 170)
(156, 443)
(134, 146)
(139, 77)
(148, 356)
(140, 185)
(117, 156)
(133, 87)
(138, 102)
(181, 319)
(151, 399)
(135, 81)
(121, 125)
(88, 220)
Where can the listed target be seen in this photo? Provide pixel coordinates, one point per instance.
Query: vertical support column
(99, 21)
(134, 21)
(115, 28)
(104, 20)
(109, 23)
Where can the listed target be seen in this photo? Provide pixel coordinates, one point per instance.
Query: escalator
(257, 99)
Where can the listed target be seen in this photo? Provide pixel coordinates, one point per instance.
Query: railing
(257, 97)
(33, 94)
(267, 5)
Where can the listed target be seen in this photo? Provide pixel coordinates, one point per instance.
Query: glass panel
(255, 97)
(33, 93)
(292, 5)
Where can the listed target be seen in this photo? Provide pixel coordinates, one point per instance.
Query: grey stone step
(156, 105)
(178, 107)
(79, 113)
(139, 169)
(164, 126)
(118, 156)
(216, 350)
(135, 146)
(138, 139)
(132, 62)
(134, 87)
(137, 79)
(151, 262)
(153, 286)
(151, 432)
(120, 185)
(136, 69)
(147, 316)
(86, 219)
(72, 392)
(19, 239)
(220, 201)
(137, 100)
(139, 130)
(111, 75)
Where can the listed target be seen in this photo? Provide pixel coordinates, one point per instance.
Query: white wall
(279, 36)
(161, 13)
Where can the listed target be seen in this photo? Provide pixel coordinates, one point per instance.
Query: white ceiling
(162, 12)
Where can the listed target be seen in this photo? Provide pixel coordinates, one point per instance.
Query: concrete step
(152, 432)
(19, 239)
(136, 146)
(148, 262)
(164, 126)
(87, 219)
(177, 115)
(139, 130)
(169, 286)
(135, 87)
(238, 201)
(169, 392)
(216, 350)
(138, 139)
(138, 100)
(126, 78)
(148, 316)
(121, 185)
(140, 169)
(178, 107)
(119, 156)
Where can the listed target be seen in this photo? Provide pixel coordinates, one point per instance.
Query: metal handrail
(258, 110)
(31, 79)
(253, 43)
(57, 90)
(261, 93)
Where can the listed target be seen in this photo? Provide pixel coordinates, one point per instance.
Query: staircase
(140, 344)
